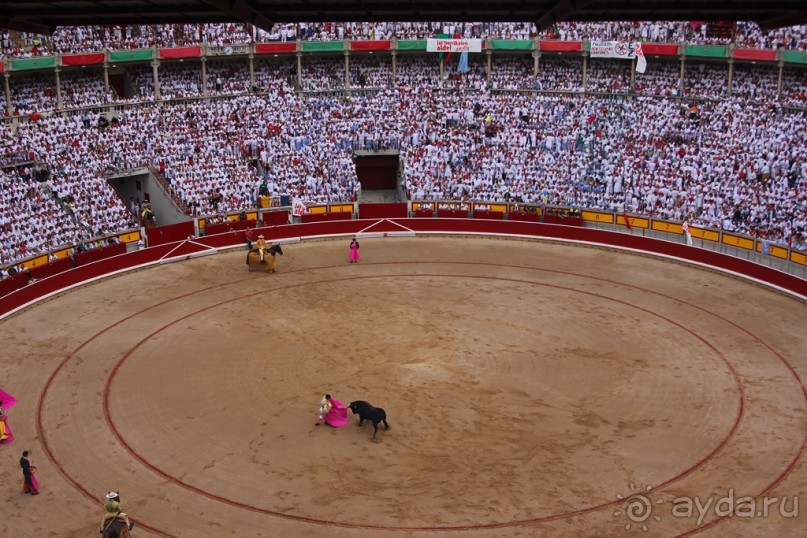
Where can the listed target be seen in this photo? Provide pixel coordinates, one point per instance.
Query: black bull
(368, 412)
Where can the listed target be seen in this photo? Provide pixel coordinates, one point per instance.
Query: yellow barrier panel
(64, 253)
(737, 241)
(700, 233)
(130, 237)
(776, 252)
(252, 216)
(798, 257)
(340, 208)
(266, 202)
(596, 216)
(422, 205)
(317, 209)
(669, 227)
(36, 262)
(202, 224)
(635, 222)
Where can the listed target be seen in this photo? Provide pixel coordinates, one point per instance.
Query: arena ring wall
(535, 377)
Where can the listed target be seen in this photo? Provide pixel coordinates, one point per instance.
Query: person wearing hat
(113, 511)
(261, 247)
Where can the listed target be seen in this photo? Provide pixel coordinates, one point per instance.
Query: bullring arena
(533, 388)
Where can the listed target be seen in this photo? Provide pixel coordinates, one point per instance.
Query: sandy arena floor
(530, 388)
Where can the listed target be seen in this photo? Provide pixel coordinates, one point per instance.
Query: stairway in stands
(169, 190)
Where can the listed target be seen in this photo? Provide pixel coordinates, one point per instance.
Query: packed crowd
(31, 220)
(94, 38)
(739, 164)
(81, 88)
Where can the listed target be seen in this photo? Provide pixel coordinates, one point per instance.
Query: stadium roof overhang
(42, 16)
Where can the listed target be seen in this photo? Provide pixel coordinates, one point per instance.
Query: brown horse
(254, 259)
(115, 527)
(147, 219)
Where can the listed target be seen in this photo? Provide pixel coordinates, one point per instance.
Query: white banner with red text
(454, 45)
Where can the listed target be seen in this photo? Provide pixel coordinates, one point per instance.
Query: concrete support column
(300, 70)
(489, 69)
(251, 71)
(536, 62)
(779, 80)
(395, 67)
(681, 87)
(155, 64)
(585, 71)
(731, 75)
(106, 78)
(204, 76)
(7, 76)
(347, 69)
(58, 89)
(632, 73)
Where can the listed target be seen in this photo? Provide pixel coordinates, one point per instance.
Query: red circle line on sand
(86, 493)
(308, 519)
(43, 394)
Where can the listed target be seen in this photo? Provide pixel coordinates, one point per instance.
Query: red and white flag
(627, 219)
(685, 226)
(641, 62)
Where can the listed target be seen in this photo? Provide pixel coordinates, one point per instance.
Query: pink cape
(7, 399)
(337, 416)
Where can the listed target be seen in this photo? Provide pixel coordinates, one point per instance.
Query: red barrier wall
(325, 217)
(424, 213)
(169, 234)
(382, 211)
(755, 54)
(83, 59)
(522, 216)
(561, 46)
(485, 214)
(181, 52)
(274, 218)
(660, 49)
(452, 214)
(13, 283)
(566, 221)
(51, 268)
(93, 255)
(236, 225)
(370, 45)
(25, 294)
(268, 48)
